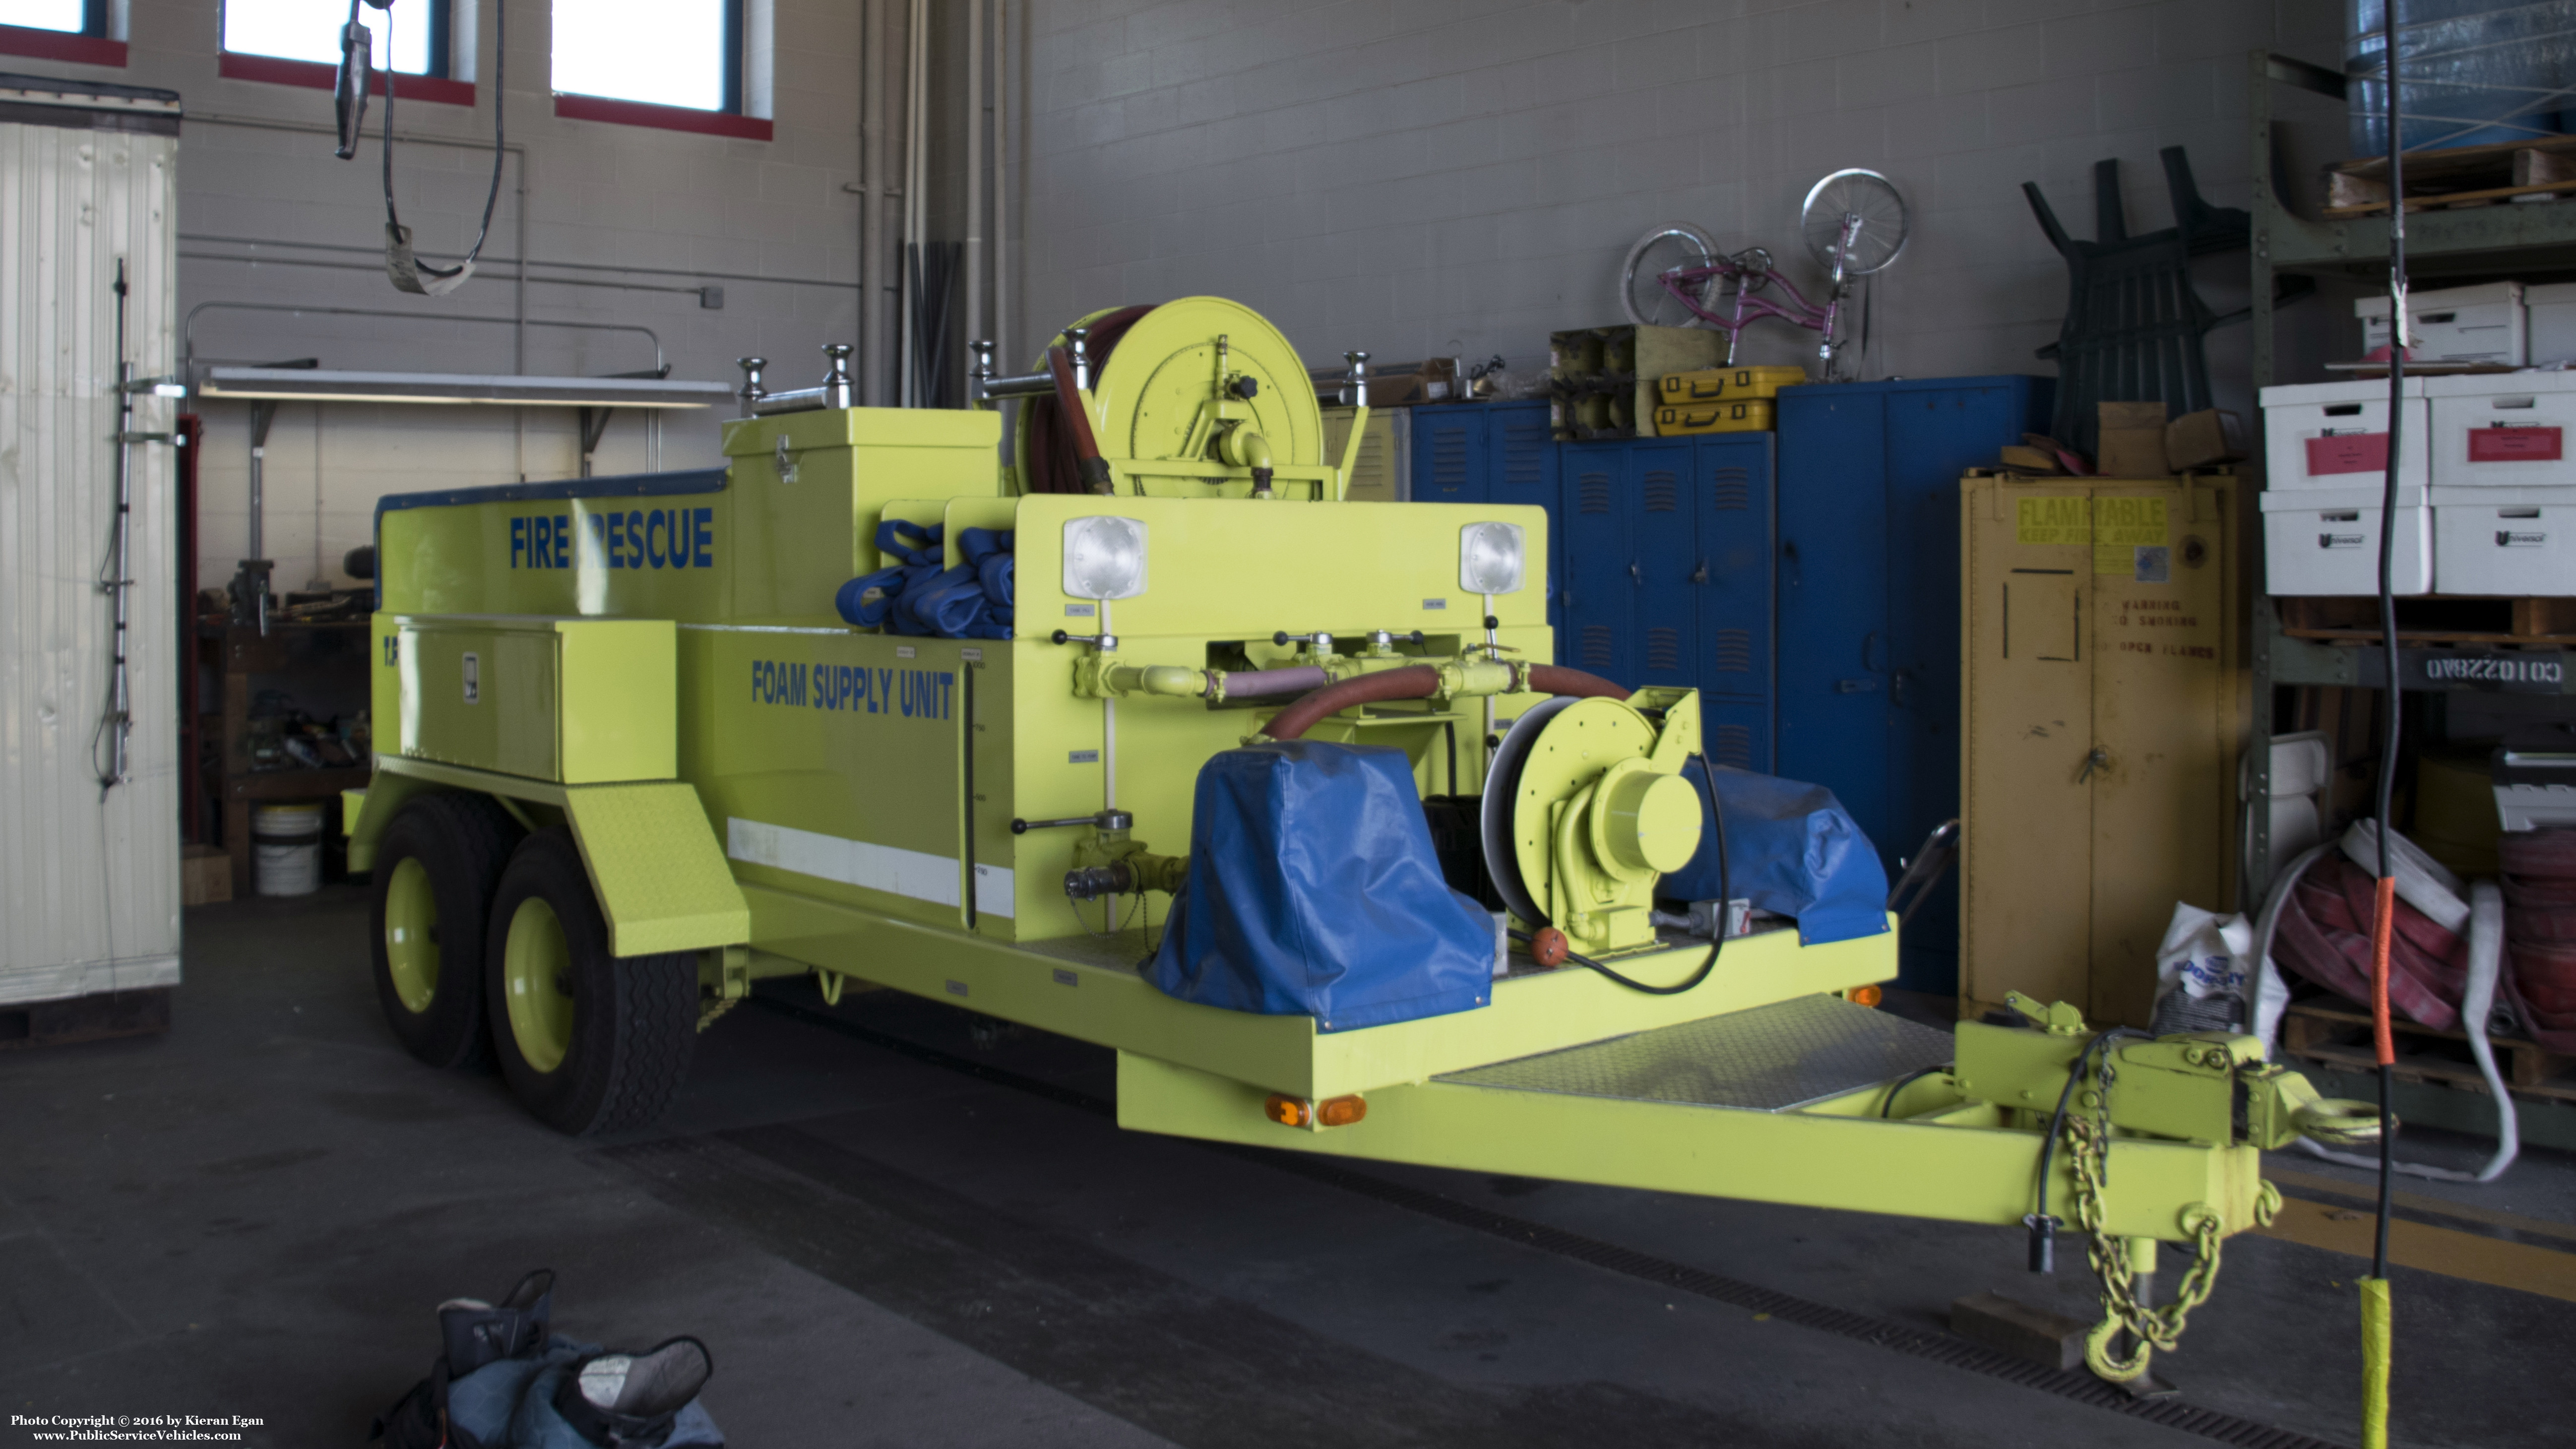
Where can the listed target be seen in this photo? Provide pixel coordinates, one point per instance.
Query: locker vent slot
(1734, 651)
(1593, 493)
(1733, 488)
(1598, 646)
(1664, 649)
(1449, 460)
(1663, 493)
(1524, 455)
(1734, 746)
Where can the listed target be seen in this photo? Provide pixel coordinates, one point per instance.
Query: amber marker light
(1288, 1111)
(1865, 995)
(1340, 1111)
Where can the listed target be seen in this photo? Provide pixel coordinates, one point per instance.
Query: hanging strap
(408, 272)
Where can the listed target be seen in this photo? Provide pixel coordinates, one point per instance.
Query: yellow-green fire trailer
(631, 759)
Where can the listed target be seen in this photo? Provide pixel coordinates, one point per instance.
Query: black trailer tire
(435, 871)
(589, 1042)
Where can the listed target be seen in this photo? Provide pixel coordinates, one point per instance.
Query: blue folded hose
(920, 595)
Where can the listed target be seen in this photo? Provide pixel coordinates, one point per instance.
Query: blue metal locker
(1736, 598)
(1600, 603)
(1664, 563)
(1449, 455)
(1669, 576)
(1521, 467)
(1868, 700)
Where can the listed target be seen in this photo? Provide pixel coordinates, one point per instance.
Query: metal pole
(1001, 328)
(871, 175)
(972, 258)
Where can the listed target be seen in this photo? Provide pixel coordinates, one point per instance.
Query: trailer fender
(660, 874)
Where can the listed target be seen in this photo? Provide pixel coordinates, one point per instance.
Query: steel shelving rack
(2529, 243)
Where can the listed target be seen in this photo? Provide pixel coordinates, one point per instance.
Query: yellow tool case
(1716, 417)
(1729, 384)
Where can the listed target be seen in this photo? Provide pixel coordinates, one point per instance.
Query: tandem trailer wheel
(435, 873)
(589, 1042)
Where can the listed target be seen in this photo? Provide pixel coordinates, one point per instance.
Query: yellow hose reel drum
(1586, 808)
(1187, 399)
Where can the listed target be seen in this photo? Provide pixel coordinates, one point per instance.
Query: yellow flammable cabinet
(2102, 716)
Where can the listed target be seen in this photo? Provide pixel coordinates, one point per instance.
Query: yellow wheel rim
(536, 966)
(411, 935)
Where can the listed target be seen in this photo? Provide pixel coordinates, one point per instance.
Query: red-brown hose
(1086, 447)
(1420, 682)
(1552, 679)
(1413, 682)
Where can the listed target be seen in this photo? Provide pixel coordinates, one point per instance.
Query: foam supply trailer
(1143, 739)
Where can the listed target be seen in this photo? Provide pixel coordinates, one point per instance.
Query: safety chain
(710, 1009)
(2089, 1155)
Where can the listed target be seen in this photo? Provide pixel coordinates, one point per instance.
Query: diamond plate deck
(1770, 1059)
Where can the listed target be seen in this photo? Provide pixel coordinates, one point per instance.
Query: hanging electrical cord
(116, 573)
(407, 271)
(1725, 908)
(2375, 1328)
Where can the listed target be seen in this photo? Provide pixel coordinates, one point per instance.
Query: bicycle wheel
(1866, 204)
(1674, 246)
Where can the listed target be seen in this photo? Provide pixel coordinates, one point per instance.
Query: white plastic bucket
(286, 849)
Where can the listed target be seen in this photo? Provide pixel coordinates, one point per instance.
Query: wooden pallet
(2336, 1033)
(2432, 619)
(2458, 177)
(97, 1017)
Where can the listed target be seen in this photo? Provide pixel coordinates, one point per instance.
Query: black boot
(621, 1399)
(476, 1333)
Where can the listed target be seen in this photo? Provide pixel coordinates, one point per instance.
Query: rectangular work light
(288, 384)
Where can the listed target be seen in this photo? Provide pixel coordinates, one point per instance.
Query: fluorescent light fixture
(293, 384)
(1490, 558)
(1104, 557)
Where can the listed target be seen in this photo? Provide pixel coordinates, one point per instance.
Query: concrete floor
(256, 1215)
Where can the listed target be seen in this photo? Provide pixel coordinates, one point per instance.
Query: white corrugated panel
(89, 878)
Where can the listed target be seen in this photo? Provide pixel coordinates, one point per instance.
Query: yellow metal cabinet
(1378, 474)
(2104, 708)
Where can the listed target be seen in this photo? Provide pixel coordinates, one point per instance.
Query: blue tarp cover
(1313, 891)
(1791, 850)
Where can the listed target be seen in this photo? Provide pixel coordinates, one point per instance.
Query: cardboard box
(205, 875)
(2204, 439)
(2326, 540)
(2335, 435)
(2456, 324)
(2133, 441)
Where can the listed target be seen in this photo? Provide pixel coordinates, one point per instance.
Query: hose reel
(1585, 808)
(1195, 398)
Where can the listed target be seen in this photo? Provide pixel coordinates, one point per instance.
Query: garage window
(410, 39)
(79, 31)
(297, 43)
(678, 64)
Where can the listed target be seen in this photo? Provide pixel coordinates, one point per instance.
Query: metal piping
(871, 188)
(971, 256)
(916, 74)
(1001, 329)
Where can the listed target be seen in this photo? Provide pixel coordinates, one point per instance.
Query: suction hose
(1418, 681)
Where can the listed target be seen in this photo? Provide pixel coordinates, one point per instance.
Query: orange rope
(2383, 924)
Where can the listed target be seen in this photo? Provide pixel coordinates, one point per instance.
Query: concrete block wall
(1434, 177)
(651, 214)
